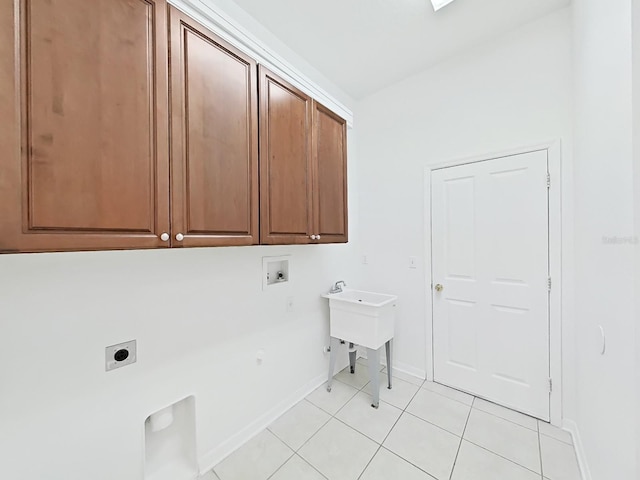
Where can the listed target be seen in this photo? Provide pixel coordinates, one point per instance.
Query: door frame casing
(554, 162)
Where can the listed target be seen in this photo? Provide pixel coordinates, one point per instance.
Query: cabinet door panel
(88, 92)
(285, 162)
(214, 134)
(330, 163)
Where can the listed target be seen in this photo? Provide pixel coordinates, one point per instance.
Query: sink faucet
(337, 288)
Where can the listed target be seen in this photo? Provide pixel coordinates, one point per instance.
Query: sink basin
(363, 318)
(363, 298)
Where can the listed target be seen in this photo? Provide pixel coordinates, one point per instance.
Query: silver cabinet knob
(164, 237)
(313, 237)
(317, 237)
(179, 237)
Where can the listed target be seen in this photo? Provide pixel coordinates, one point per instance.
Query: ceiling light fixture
(438, 4)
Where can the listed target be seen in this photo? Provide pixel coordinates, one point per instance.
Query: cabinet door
(84, 155)
(214, 136)
(285, 162)
(330, 175)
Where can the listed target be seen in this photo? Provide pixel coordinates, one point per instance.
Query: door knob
(439, 287)
(179, 237)
(164, 237)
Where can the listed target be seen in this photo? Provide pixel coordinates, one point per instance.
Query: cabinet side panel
(10, 196)
(89, 87)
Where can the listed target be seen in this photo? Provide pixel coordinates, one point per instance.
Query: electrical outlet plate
(120, 355)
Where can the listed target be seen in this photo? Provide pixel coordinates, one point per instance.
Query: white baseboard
(215, 456)
(572, 428)
(406, 369)
(399, 369)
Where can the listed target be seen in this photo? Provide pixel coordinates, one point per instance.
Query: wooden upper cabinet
(330, 175)
(286, 176)
(303, 167)
(214, 133)
(84, 137)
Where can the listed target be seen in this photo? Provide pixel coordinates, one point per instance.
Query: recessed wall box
(275, 271)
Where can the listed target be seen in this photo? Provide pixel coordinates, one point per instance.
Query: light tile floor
(422, 431)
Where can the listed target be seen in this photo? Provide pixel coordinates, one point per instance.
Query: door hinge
(550, 385)
(549, 284)
(548, 180)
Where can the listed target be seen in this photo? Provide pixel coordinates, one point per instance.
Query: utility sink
(363, 318)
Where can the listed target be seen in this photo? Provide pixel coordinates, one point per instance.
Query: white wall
(199, 316)
(636, 189)
(512, 92)
(266, 42)
(604, 208)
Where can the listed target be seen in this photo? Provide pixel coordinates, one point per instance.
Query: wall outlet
(119, 355)
(413, 262)
(365, 259)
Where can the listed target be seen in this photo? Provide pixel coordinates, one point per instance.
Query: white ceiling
(365, 45)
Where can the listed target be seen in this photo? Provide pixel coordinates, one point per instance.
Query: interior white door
(490, 254)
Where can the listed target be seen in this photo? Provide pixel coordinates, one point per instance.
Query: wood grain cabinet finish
(286, 197)
(330, 175)
(303, 167)
(214, 134)
(84, 143)
(84, 137)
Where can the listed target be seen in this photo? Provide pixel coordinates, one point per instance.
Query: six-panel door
(84, 125)
(214, 133)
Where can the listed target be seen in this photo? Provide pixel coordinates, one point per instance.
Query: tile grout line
(404, 410)
(453, 467)
(305, 461)
(283, 463)
(434, 424)
(316, 432)
(556, 439)
(389, 433)
(471, 406)
(379, 444)
(369, 462)
(295, 452)
(497, 454)
(506, 419)
(501, 456)
(447, 397)
(333, 417)
(540, 452)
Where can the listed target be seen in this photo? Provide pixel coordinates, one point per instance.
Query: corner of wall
(572, 427)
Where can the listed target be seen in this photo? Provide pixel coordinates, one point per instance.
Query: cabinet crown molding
(222, 24)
